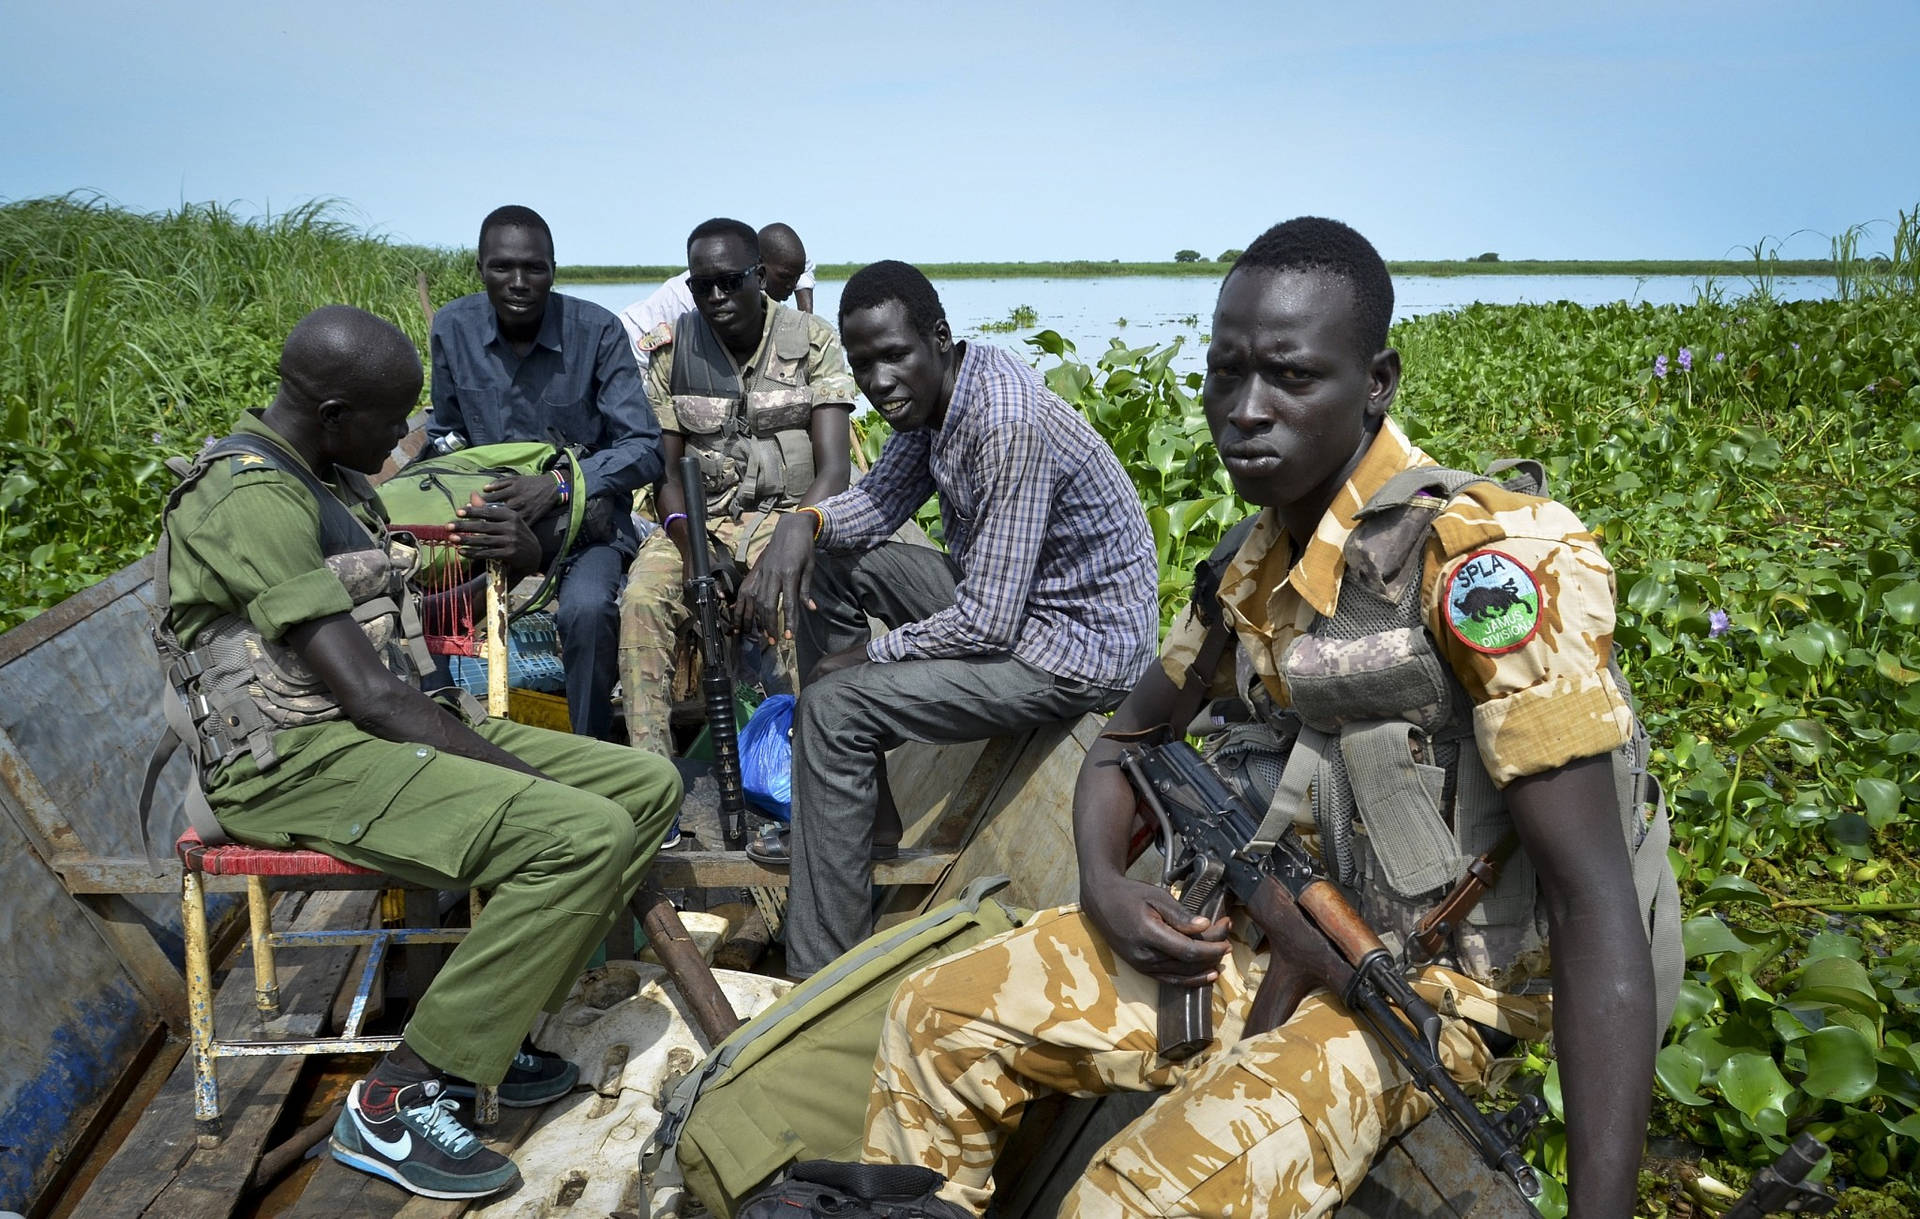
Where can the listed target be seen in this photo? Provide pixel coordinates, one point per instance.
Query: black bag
(852, 1191)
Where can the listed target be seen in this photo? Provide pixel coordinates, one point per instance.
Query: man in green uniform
(1518, 727)
(291, 635)
(761, 394)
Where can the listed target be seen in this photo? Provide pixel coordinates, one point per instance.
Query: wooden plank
(160, 1170)
(1026, 832)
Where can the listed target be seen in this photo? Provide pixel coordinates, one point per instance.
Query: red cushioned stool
(312, 870)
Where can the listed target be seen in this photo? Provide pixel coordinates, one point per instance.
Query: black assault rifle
(1316, 939)
(1783, 1188)
(716, 673)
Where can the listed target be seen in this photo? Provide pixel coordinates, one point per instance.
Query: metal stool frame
(256, 864)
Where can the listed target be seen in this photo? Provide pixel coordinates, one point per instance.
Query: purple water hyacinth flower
(1686, 359)
(1719, 357)
(1660, 365)
(1717, 624)
(1796, 347)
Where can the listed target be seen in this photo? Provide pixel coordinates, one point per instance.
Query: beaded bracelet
(819, 518)
(671, 518)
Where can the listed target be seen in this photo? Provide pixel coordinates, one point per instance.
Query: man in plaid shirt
(1043, 607)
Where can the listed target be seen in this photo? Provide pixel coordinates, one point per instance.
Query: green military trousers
(559, 858)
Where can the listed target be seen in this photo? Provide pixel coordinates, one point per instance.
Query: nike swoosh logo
(393, 1149)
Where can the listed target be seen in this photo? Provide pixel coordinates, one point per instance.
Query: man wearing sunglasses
(787, 275)
(522, 362)
(761, 394)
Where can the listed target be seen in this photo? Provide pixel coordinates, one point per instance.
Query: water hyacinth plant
(1759, 509)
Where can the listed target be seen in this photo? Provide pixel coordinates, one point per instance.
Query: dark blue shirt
(578, 379)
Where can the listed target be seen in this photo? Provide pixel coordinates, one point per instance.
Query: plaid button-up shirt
(1057, 565)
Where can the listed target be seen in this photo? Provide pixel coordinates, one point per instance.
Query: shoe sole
(386, 1172)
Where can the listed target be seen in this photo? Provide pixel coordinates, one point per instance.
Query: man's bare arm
(1602, 977)
(380, 703)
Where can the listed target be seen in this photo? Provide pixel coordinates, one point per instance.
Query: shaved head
(780, 241)
(341, 352)
(784, 258)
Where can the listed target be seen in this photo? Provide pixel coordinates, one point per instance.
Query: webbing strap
(178, 733)
(1656, 887)
(1416, 849)
(1295, 789)
(340, 529)
(1436, 482)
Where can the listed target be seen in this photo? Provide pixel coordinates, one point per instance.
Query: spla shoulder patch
(1492, 602)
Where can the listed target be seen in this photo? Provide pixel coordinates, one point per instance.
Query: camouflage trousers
(1283, 1124)
(652, 610)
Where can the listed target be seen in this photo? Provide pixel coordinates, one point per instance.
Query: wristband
(819, 518)
(560, 481)
(671, 518)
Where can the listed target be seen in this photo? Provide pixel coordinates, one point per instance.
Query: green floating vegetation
(1751, 466)
(1020, 317)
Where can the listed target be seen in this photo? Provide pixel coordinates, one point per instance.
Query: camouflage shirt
(827, 372)
(1516, 594)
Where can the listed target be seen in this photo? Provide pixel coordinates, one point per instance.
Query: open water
(1147, 310)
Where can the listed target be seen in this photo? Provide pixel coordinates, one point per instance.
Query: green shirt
(245, 540)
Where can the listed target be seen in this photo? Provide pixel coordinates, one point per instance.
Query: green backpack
(428, 491)
(793, 1082)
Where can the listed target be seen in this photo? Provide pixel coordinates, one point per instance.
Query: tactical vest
(1379, 744)
(234, 689)
(753, 439)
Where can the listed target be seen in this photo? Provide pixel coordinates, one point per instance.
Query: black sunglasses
(700, 285)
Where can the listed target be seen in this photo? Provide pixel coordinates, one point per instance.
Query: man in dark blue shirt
(522, 362)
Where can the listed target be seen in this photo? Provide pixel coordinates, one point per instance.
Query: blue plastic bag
(766, 757)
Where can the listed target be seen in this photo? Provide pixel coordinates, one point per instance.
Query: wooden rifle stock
(1300, 958)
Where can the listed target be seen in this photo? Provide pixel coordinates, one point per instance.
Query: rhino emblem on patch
(1492, 602)
(1485, 601)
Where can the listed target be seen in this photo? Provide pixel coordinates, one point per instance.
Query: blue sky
(986, 130)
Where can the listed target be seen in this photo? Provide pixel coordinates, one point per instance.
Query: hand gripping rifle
(716, 680)
(1315, 939)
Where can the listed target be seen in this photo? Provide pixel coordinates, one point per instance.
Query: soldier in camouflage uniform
(769, 423)
(1287, 1122)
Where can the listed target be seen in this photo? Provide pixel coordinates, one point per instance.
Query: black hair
(721, 226)
(513, 215)
(338, 351)
(1314, 243)
(877, 283)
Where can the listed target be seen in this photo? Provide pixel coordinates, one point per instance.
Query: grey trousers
(845, 721)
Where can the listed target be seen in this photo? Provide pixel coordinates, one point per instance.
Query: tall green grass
(126, 338)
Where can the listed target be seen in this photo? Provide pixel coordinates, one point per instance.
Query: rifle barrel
(716, 682)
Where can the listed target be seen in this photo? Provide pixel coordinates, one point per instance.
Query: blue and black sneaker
(535, 1078)
(410, 1136)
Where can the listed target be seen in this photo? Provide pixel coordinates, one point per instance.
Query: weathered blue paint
(78, 717)
(82, 1060)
